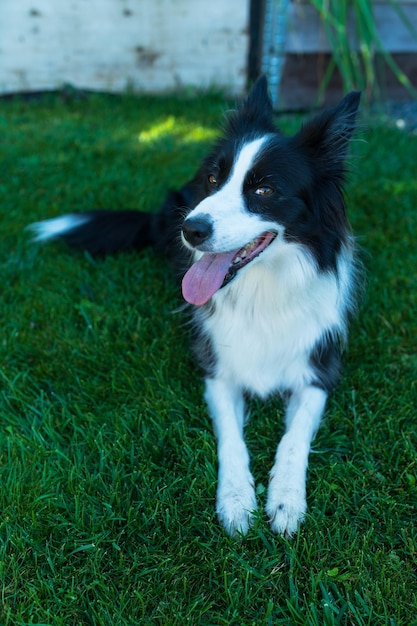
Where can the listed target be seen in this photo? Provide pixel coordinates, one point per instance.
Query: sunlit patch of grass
(178, 128)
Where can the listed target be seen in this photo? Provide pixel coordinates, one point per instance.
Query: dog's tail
(97, 232)
(102, 232)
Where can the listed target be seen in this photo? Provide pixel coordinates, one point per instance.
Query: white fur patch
(57, 226)
(286, 504)
(236, 499)
(267, 321)
(233, 225)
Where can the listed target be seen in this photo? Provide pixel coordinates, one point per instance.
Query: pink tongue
(205, 277)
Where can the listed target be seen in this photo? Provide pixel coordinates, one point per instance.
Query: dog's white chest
(263, 331)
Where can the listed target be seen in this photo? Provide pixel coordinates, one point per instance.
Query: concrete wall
(111, 45)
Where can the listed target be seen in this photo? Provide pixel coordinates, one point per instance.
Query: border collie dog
(261, 237)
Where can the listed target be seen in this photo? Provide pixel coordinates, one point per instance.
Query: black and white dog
(271, 278)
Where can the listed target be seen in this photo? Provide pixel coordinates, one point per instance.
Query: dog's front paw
(236, 502)
(286, 508)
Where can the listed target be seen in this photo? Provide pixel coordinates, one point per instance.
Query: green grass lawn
(107, 456)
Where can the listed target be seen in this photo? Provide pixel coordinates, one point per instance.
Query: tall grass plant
(356, 45)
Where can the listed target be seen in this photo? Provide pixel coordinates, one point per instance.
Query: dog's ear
(258, 103)
(255, 112)
(327, 135)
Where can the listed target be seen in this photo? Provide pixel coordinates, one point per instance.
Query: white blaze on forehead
(233, 225)
(228, 196)
(242, 165)
(232, 228)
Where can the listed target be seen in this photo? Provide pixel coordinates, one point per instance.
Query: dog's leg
(286, 505)
(235, 492)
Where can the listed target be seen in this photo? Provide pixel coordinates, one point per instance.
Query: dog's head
(261, 189)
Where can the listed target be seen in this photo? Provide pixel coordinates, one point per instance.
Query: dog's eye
(264, 191)
(212, 178)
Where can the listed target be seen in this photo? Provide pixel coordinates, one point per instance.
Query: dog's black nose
(196, 230)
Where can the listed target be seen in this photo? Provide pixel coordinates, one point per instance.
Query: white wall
(146, 45)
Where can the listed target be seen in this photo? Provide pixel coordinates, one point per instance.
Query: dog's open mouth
(214, 271)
